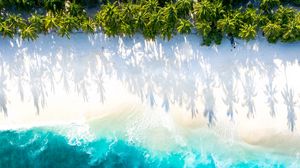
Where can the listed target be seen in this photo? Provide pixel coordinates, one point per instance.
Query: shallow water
(70, 146)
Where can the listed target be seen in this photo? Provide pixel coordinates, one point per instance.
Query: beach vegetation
(212, 20)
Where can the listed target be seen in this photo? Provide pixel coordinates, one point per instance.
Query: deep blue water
(39, 148)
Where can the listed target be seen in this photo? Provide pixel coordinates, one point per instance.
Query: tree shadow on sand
(160, 73)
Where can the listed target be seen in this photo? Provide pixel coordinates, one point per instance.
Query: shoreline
(121, 75)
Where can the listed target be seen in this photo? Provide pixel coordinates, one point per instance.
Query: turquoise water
(47, 147)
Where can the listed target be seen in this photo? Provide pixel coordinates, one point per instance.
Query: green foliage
(29, 32)
(284, 15)
(248, 32)
(230, 23)
(208, 11)
(54, 5)
(184, 26)
(110, 19)
(37, 21)
(88, 25)
(212, 19)
(269, 5)
(291, 31)
(169, 20)
(250, 16)
(128, 13)
(66, 24)
(204, 29)
(6, 29)
(50, 23)
(184, 7)
(149, 19)
(152, 27)
(75, 9)
(272, 31)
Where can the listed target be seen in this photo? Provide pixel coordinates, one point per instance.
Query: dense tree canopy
(211, 19)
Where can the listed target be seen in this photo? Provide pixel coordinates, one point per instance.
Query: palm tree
(268, 5)
(291, 32)
(109, 19)
(139, 19)
(150, 6)
(88, 25)
(204, 11)
(6, 30)
(37, 20)
(75, 9)
(16, 21)
(67, 24)
(183, 8)
(50, 22)
(297, 20)
(148, 20)
(284, 14)
(128, 24)
(272, 31)
(169, 20)
(248, 32)
(229, 24)
(205, 29)
(12, 25)
(29, 32)
(250, 16)
(184, 26)
(54, 5)
(152, 26)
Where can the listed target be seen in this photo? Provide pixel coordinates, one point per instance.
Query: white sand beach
(174, 89)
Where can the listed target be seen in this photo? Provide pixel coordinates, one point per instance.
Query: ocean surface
(61, 147)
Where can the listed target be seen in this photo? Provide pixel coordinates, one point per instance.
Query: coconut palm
(291, 32)
(50, 22)
(67, 24)
(204, 11)
(205, 29)
(184, 26)
(109, 19)
(297, 20)
(284, 14)
(16, 21)
(54, 5)
(183, 8)
(37, 21)
(250, 16)
(150, 6)
(6, 30)
(272, 31)
(12, 25)
(128, 23)
(268, 5)
(248, 32)
(230, 23)
(139, 19)
(263, 20)
(29, 32)
(75, 9)
(88, 25)
(152, 26)
(169, 20)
